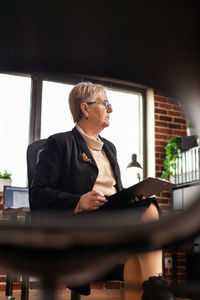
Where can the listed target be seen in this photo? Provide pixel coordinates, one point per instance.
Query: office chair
(33, 153)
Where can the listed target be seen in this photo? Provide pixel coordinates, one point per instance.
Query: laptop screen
(15, 197)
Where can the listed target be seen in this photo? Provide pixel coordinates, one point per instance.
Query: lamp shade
(134, 163)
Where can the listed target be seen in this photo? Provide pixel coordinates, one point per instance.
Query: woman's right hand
(91, 201)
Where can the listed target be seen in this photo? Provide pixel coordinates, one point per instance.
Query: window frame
(36, 101)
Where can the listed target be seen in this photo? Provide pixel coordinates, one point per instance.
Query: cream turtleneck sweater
(105, 180)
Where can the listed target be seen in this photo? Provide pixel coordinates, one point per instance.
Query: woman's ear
(84, 108)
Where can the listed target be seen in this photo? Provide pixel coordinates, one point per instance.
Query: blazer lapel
(85, 154)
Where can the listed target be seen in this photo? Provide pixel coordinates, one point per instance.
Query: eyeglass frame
(104, 102)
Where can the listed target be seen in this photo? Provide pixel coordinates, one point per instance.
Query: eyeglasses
(104, 102)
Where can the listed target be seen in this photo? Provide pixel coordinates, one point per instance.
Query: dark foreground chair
(56, 249)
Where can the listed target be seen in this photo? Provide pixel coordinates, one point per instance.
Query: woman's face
(99, 114)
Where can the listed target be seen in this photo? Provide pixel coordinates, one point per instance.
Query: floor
(96, 294)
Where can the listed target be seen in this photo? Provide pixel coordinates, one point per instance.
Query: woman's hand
(90, 201)
(136, 199)
(142, 197)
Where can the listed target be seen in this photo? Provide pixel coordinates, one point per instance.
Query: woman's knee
(151, 213)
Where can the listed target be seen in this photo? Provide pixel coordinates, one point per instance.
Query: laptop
(15, 197)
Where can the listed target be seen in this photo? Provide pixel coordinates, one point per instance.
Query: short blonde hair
(83, 92)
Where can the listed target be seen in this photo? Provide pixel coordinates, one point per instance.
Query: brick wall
(169, 122)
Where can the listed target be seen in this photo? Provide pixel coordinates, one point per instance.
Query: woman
(77, 168)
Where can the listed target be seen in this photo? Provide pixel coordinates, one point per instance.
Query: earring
(86, 118)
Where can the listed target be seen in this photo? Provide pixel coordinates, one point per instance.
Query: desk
(19, 215)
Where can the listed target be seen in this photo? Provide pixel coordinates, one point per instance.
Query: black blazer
(62, 175)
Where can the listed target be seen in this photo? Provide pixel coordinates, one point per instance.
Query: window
(124, 131)
(56, 116)
(14, 126)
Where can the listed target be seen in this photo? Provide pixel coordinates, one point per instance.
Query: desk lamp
(135, 166)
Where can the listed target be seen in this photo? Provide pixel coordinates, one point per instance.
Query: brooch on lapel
(85, 158)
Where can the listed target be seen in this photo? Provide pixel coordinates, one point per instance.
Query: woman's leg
(150, 262)
(133, 277)
(140, 267)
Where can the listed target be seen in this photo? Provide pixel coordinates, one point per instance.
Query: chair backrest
(33, 153)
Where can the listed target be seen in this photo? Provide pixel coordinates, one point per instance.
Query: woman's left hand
(137, 199)
(142, 197)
